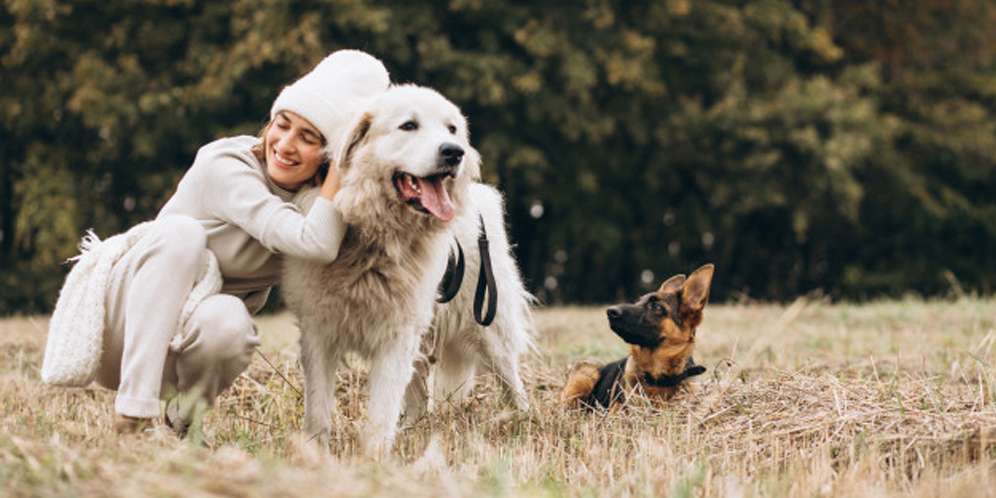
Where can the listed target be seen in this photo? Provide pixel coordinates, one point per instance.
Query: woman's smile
(283, 162)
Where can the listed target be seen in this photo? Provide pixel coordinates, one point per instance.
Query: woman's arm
(237, 193)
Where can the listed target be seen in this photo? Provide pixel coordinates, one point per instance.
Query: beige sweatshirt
(250, 222)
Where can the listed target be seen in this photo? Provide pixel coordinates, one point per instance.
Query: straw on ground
(813, 399)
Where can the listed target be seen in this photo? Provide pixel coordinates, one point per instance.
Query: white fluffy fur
(461, 346)
(377, 297)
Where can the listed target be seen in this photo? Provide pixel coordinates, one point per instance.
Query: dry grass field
(893, 398)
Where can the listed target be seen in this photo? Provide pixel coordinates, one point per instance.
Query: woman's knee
(219, 346)
(181, 238)
(227, 331)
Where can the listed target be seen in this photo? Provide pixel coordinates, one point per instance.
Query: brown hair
(259, 150)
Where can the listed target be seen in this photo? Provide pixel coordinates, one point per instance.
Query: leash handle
(454, 269)
(485, 282)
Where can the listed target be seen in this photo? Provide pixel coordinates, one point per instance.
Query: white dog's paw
(521, 402)
(378, 442)
(416, 405)
(320, 438)
(413, 415)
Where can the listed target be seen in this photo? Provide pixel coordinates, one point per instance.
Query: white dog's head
(407, 160)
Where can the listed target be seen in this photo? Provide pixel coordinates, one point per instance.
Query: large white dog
(408, 191)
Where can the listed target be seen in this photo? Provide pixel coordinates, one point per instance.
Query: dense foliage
(838, 145)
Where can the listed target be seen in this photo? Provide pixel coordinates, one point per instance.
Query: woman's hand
(331, 185)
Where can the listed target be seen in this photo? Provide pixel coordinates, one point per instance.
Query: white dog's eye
(452, 129)
(408, 126)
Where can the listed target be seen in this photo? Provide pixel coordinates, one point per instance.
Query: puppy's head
(411, 146)
(665, 321)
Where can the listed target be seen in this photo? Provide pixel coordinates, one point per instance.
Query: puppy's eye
(656, 307)
(452, 129)
(408, 126)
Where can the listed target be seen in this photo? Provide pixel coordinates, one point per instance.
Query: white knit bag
(76, 330)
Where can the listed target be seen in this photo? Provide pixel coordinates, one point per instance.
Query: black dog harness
(691, 370)
(609, 389)
(486, 286)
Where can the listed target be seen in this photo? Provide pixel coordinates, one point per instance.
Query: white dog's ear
(473, 164)
(357, 135)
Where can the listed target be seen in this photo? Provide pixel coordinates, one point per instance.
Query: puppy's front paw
(580, 382)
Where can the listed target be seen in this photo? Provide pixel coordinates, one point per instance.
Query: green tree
(841, 145)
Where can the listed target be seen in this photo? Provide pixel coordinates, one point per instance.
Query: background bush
(838, 145)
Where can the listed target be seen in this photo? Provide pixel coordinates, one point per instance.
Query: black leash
(486, 286)
(453, 277)
(691, 370)
(485, 281)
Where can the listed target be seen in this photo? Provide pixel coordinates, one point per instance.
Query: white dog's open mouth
(425, 194)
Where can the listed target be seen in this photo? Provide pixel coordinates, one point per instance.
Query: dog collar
(691, 370)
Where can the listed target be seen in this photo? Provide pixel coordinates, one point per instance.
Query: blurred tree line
(847, 146)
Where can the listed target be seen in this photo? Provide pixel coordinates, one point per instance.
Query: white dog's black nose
(450, 154)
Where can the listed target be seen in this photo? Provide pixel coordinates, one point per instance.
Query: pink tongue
(435, 199)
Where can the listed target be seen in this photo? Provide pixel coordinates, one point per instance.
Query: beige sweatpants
(149, 286)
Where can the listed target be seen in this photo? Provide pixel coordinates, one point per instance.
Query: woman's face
(294, 150)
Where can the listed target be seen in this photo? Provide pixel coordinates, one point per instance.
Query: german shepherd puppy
(660, 329)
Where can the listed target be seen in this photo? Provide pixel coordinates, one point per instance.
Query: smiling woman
(160, 338)
(293, 150)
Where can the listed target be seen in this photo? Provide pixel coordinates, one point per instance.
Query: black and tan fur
(660, 329)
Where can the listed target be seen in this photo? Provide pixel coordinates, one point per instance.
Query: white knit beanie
(333, 92)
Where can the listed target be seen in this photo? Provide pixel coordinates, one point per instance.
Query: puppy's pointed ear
(695, 292)
(357, 135)
(672, 285)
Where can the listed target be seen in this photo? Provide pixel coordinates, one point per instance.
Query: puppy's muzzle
(450, 155)
(625, 320)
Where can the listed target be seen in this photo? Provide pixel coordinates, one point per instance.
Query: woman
(234, 201)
